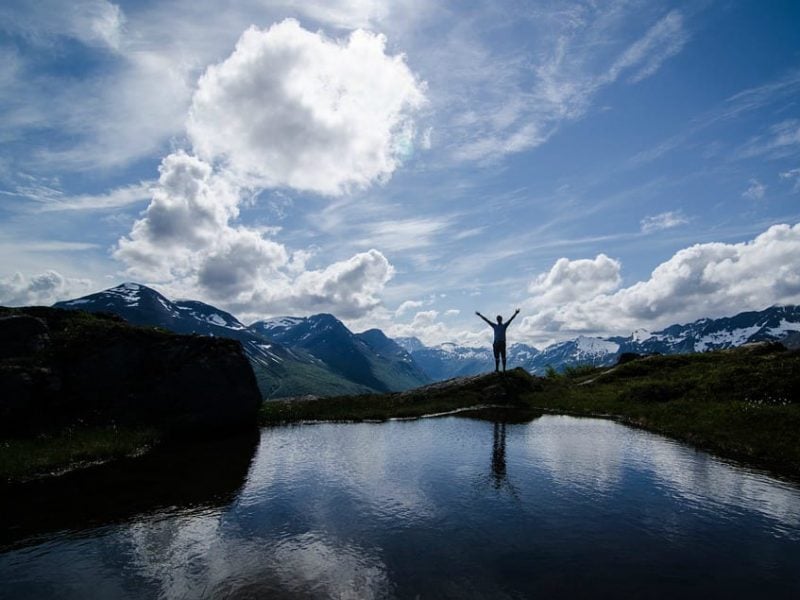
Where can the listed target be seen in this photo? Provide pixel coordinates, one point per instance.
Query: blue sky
(605, 166)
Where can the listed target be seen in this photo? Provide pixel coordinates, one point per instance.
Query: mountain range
(311, 365)
(319, 355)
(777, 323)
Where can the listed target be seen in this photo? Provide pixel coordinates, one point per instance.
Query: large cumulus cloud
(187, 241)
(42, 289)
(704, 280)
(293, 108)
(288, 108)
(571, 280)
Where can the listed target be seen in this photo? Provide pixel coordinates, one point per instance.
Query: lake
(449, 507)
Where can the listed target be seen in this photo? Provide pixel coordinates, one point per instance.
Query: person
(499, 345)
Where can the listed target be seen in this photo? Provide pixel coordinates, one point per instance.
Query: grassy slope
(742, 403)
(22, 458)
(435, 398)
(300, 379)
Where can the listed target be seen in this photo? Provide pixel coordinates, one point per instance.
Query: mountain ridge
(281, 369)
(319, 355)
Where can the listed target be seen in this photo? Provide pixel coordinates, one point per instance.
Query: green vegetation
(430, 399)
(299, 379)
(23, 458)
(742, 403)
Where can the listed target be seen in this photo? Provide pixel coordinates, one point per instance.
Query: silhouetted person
(499, 345)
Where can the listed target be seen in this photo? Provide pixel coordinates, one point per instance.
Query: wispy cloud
(665, 220)
(554, 82)
(781, 140)
(123, 196)
(792, 175)
(785, 88)
(755, 191)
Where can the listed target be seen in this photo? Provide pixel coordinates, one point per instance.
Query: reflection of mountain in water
(189, 475)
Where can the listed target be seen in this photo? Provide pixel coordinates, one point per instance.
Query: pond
(450, 507)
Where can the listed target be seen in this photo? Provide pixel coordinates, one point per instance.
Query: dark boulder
(100, 371)
(22, 335)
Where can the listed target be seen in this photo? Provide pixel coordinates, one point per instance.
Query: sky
(605, 166)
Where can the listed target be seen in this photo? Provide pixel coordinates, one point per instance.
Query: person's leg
(496, 350)
(503, 354)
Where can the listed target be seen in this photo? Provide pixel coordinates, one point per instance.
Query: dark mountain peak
(382, 344)
(325, 319)
(376, 337)
(134, 302)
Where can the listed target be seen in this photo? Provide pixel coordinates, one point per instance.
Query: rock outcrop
(60, 368)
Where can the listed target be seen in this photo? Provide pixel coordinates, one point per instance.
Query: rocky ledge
(61, 368)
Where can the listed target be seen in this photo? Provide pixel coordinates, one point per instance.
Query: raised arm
(484, 318)
(516, 312)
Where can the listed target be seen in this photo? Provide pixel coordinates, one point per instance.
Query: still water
(451, 507)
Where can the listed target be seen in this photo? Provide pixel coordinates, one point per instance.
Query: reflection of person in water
(499, 345)
(499, 455)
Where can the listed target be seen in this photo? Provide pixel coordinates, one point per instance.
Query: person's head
(499, 319)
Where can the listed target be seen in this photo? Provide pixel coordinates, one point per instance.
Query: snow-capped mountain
(451, 360)
(320, 355)
(368, 358)
(290, 355)
(280, 370)
(275, 326)
(409, 344)
(773, 324)
(141, 305)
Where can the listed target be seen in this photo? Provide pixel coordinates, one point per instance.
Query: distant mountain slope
(370, 359)
(449, 360)
(773, 324)
(280, 371)
(391, 362)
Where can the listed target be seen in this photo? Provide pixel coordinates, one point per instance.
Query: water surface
(450, 507)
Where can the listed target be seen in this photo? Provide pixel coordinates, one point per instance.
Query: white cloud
(122, 196)
(43, 289)
(663, 40)
(92, 22)
(704, 280)
(187, 241)
(783, 139)
(428, 327)
(293, 108)
(407, 306)
(755, 191)
(452, 312)
(575, 280)
(792, 175)
(401, 234)
(350, 289)
(665, 220)
(287, 108)
(576, 53)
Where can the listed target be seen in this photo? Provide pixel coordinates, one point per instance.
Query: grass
(24, 458)
(431, 399)
(742, 403)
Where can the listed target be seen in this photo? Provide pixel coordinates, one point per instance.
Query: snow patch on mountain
(784, 327)
(129, 292)
(590, 345)
(735, 337)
